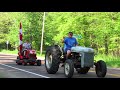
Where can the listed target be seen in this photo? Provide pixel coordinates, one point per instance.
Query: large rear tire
(101, 68)
(68, 68)
(52, 59)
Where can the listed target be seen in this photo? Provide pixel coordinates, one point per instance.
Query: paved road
(9, 69)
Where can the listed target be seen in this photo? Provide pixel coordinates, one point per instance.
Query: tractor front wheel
(68, 68)
(38, 62)
(101, 68)
(18, 61)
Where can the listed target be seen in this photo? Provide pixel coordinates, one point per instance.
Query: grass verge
(110, 60)
(16, 52)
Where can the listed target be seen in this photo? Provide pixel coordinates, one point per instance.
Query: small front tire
(101, 68)
(68, 68)
(38, 62)
(18, 61)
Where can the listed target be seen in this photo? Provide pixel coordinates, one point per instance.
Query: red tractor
(29, 57)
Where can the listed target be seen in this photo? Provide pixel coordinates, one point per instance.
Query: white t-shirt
(27, 45)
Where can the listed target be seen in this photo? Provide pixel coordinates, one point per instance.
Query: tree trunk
(85, 38)
(106, 45)
(91, 41)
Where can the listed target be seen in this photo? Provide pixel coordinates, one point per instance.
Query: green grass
(43, 54)
(9, 52)
(16, 52)
(110, 60)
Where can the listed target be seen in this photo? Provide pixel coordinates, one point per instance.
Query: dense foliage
(99, 30)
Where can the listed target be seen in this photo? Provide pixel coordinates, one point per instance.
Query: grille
(87, 59)
(32, 55)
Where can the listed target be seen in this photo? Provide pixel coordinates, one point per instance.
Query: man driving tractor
(25, 52)
(72, 57)
(69, 42)
(26, 46)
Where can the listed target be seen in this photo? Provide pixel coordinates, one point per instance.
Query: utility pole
(7, 44)
(42, 34)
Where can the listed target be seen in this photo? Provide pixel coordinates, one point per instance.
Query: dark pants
(24, 51)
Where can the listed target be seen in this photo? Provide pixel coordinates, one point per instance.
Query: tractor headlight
(31, 52)
(80, 54)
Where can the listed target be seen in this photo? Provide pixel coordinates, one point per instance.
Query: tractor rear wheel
(52, 59)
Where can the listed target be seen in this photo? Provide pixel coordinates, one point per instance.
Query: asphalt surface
(9, 69)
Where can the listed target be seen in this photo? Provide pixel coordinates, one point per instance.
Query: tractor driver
(69, 42)
(26, 46)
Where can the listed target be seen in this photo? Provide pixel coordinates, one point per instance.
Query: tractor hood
(32, 51)
(82, 49)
